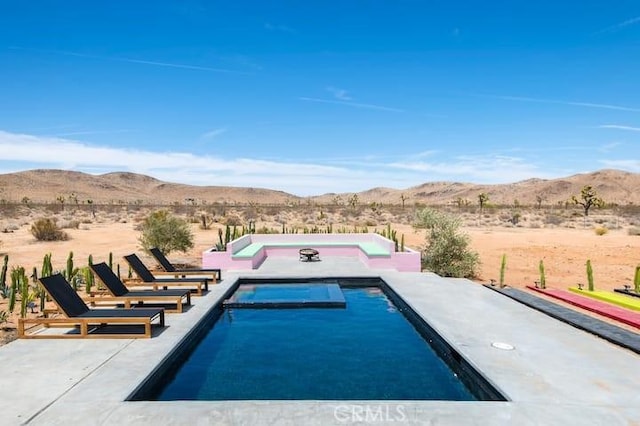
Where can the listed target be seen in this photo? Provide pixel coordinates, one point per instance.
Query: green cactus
(402, 243)
(47, 269)
(110, 261)
(26, 296)
(589, 275)
(543, 279)
(14, 287)
(38, 289)
(89, 277)
(4, 291)
(503, 267)
(636, 280)
(71, 273)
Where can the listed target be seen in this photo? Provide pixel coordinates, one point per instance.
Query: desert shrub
(601, 230)
(165, 231)
(447, 251)
(232, 220)
(46, 229)
(634, 230)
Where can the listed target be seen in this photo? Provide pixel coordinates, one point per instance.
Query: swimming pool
(370, 350)
(287, 295)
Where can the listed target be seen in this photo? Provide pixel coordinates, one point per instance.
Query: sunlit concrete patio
(555, 374)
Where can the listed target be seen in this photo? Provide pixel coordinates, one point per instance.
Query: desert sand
(563, 250)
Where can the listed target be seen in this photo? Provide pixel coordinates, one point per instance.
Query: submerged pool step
(278, 296)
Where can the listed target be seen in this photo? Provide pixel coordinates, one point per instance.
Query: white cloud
(609, 146)
(352, 104)
(628, 165)
(619, 127)
(553, 101)
(91, 132)
(281, 28)
(134, 61)
(300, 177)
(621, 25)
(484, 168)
(339, 93)
(211, 134)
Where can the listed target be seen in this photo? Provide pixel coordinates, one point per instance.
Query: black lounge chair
(169, 269)
(120, 293)
(146, 278)
(92, 322)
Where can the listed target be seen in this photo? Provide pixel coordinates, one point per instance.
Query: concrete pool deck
(556, 374)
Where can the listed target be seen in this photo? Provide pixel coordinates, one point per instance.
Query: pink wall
(408, 261)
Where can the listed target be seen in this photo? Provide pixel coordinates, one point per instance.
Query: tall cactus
(110, 260)
(71, 273)
(4, 291)
(47, 269)
(636, 280)
(543, 279)
(589, 275)
(503, 267)
(89, 278)
(26, 296)
(15, 274)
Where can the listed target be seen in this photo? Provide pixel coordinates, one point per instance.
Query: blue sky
(312, 97)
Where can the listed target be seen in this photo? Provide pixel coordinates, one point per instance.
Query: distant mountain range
(614, 186)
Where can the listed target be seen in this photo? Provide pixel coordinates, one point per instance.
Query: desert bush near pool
(447, 251)
(46, 229)
(601, 230)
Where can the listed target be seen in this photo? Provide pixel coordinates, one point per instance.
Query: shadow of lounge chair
(120, 293)
(169, 269)
(92, 323)
(146, 278)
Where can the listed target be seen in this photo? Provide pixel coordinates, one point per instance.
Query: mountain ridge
(47, 185)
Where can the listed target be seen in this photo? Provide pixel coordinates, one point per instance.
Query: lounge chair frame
(119, 293)
(77, 314)
(147, 279)
(170, 269)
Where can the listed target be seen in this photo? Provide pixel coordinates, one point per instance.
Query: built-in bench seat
(369, 248)
(249, 251)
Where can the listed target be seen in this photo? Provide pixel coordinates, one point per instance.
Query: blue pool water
(287, 295)
(368, 351)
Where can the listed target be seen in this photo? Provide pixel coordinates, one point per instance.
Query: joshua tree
(353, 201)
(539, 200)
(403, 198)
(61, 199)
(588, 198)
(482, 200)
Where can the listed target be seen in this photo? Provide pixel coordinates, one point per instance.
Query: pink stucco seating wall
(290, 244)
